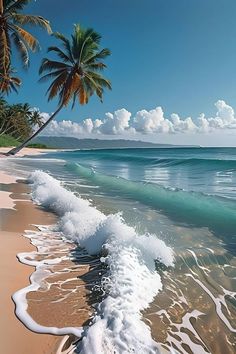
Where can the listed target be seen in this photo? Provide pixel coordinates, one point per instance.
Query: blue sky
(177, 54)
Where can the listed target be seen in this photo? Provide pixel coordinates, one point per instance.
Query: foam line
(131, 281)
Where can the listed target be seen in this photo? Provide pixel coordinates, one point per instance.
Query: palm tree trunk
(18, 148)
(1, 7)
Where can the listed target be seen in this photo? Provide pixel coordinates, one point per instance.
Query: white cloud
(122, 123)
(45, 116)
(224, 112)
(182, 125)
(152, 121)
(115, 123)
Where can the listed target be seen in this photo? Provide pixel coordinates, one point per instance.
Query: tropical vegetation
(75, 74)
(18, 120)
(8, 140)
(75, 71)
(13, 34)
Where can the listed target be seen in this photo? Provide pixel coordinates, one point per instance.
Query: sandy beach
(60, 306)
(17, 213)
(26, 151)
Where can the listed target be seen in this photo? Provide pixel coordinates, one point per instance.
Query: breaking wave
(195, 208)
(131, 281)
(150, 159)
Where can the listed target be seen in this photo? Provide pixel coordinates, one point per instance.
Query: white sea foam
(131, 282)
(43, 243)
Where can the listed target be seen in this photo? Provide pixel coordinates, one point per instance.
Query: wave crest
(131, 282)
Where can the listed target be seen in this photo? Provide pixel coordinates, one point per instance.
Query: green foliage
(18, 120)
(38, 146)
(8, 81)
(76, 74)
(7, 140)
(13, 34)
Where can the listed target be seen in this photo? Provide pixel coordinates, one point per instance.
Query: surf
(194, 208)
(157, 158)
(130, 282)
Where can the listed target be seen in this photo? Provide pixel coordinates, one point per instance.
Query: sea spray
(131, 281)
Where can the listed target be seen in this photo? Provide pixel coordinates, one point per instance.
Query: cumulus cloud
(114, 123)
(152, 121)
(122, 123)
(45, 116)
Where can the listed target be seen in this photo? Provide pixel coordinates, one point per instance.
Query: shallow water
(183, 197)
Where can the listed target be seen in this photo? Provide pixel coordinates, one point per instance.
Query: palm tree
(76, 76)
(36, 118)
(3, 105)
(11, 31)
(9, 82)
(16, 120)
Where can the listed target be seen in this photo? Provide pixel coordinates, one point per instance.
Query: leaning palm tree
(76, 76)
(11, 31)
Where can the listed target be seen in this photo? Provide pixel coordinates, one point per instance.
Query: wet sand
(15, 337)
(185, 313)
(67, 300)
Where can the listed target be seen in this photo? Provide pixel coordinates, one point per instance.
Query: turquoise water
(195, 186)
(187, 197)
(207, 170)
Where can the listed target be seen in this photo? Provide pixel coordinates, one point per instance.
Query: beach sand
(15, 217)
(15, 337)
(17, 214)
(26, 151)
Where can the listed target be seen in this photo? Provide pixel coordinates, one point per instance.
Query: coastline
(25, 151)
(180, 314)
(17, 213)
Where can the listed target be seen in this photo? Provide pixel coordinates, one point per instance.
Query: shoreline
(25, 151)
(180, 313)
(17, 213)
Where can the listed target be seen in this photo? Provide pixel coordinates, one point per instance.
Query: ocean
(157, 228)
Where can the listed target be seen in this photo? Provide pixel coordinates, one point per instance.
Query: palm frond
(84, 42)
(72, 85)
(29, 40)
(98, 55)
(94, 86)
(96, 66)
(83, 97)
(22, 49)
(49, 65)
(66, 44)
(15, 5)
(33, 20)
(56, 86)
(51, 75)
(60, 53)
(82, 34)
(99, 79)
(8, 82)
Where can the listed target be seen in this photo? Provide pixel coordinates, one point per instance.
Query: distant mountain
(74, 143)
